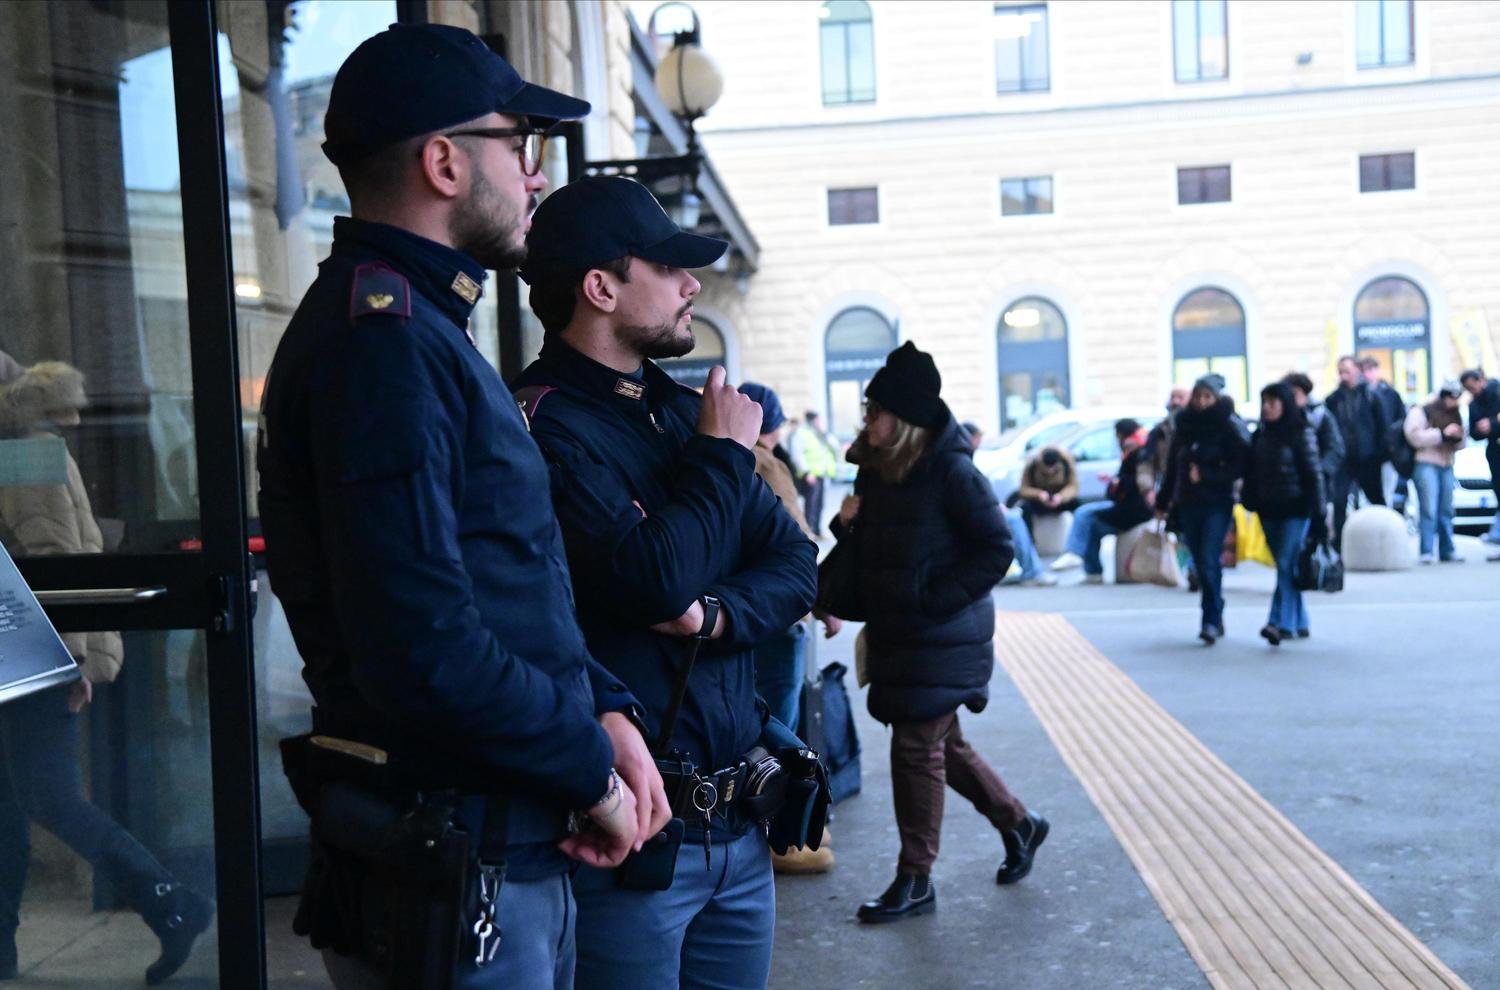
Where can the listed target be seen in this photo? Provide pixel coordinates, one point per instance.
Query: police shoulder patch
(378, 289)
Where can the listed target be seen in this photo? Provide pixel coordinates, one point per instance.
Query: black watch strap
(711, 608)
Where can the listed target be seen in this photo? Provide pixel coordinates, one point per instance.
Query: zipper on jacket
(652, 416)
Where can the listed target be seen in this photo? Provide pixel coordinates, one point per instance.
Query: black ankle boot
(1021, 845)
(178, 915)
(906, 897)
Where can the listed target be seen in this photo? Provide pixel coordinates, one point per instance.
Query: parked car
(996, 458)
(1474, 505)
(1095, 451)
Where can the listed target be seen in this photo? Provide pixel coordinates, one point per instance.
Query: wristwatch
(711, 608)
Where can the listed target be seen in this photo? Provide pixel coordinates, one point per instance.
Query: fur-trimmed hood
(38, 394)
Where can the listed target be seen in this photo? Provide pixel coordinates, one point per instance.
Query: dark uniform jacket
(411, 540)
(654, 515)
(1330, 441)
(930, 551)
(1363, 423)
(1128, 507)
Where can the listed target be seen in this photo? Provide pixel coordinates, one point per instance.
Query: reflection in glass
(1021, 57)
(1033, 361)
(846, 38)
(1392, 322)
(1200, 40)
(1390, 298)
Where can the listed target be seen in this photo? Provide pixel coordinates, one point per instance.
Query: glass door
(121, 498)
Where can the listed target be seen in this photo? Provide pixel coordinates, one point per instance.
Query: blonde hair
(895, 460)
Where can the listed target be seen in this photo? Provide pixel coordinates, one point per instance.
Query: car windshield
(1049, 434)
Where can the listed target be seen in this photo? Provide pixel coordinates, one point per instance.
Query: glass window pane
(1039, 195)
(1032, 319)
(844, 11)
(1207, 308)
(835, 66)
(1397, 46)
(1402, 170)
(1035, 60)
(1372, 173)
(1189, 185)
(1367, 15)
(1018, 402)
(1007, 65)
(861, 61)
(1236, 372)
(1216, 185)
(1096, 445)
(846, 406)
(1185, 39)
(1012, 197)
(860, 329)
(1213, 40)
(1389, 299)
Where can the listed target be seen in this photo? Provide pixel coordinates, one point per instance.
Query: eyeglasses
(530, 150)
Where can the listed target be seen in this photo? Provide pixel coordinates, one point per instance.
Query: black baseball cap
(414, 79)
(599, 219)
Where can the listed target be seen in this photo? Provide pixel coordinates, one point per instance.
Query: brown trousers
(926, 757)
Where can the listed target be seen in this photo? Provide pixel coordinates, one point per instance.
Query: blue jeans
(1203, 528)
(712, 928)
(40, 782)
(1088, 532)
(1286, 537)
(536, 920)
(1027, 558)
(780, 666)
(1435, 500)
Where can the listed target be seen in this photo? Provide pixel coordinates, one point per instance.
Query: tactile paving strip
(1255, 902)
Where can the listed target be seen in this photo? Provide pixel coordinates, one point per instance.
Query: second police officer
(413, 544)
(670, 534)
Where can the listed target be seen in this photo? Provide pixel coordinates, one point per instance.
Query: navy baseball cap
(599, 219)
(414, 79)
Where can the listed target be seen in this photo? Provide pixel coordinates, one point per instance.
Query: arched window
(854, 348)
(847, 37)
(1393, 324)
(708, 351)
(1033, 361)
(1208, 335)
(668, 21)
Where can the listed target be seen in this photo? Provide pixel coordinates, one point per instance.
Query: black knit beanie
(908, 386)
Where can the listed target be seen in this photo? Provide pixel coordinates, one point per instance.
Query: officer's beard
(661, 341)
(487, 229)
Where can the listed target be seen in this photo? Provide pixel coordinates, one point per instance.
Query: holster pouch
(655, 866)
(387, 877)
(804, 809)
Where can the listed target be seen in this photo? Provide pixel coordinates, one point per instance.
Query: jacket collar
(649, 391)
(446, 277)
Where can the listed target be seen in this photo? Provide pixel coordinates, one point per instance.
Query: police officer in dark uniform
(670, 534)
(410, 534)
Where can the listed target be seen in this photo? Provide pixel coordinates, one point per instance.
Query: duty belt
(697, 797)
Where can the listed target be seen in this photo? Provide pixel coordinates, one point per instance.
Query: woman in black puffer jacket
(1284, 486)
(931, 543)
(1206, 458)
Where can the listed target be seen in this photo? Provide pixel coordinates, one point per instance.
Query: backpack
(828, 727)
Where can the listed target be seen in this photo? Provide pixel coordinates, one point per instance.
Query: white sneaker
(1067, 562)
(1040, 581)
(1093, 579)
(1426, 558)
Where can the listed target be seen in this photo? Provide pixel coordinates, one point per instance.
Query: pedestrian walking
(1484, 427)
(1123, 507)
(816, 454)
(1363, 426)
(1392, 414)
(1325, 430)
(932, 544)
(412, 542)
(1196, 496)
(1436, 433)
(1284, 487)
(40, 780)
(1049, 485)
(671, 538)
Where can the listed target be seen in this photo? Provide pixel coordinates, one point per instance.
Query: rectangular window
(1208, 184)
(1019, 197)
(1385, 173)
(848, 62)
(1021, 61)
(1200, 39)
(851, 206)
(1383, 33)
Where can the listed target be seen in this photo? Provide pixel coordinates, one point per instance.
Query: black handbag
(838, 578)
(1319, 568)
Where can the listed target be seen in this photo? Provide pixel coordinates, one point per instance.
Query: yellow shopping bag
(1250, 538)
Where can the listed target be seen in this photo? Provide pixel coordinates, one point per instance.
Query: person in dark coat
(1484, 427)
(932, 543)
(1362, 423)
(1325, 430)
(1124, 508)
(1284, 486)
(1206, 458)
(1392, 414)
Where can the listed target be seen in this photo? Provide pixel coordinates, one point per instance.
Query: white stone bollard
(1050, 534)
(1375, 539)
